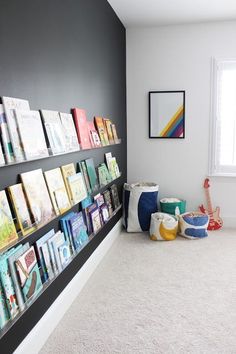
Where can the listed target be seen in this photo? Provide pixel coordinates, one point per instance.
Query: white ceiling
(135, 13)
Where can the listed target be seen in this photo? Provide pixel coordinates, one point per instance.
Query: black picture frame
(167, 114)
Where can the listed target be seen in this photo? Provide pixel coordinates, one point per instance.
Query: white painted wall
(177, 58)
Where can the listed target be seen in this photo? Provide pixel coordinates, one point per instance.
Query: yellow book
(21, 210)
(77, 187)
(55, 183)
(8, 232)
(67, 171)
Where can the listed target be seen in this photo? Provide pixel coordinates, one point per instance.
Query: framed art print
(167, 114)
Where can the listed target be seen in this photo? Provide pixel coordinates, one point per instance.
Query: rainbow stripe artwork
(175, 127)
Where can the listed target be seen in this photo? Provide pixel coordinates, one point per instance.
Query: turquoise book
(92, 174)
(4, 316)
(28, 270)
(7, 283)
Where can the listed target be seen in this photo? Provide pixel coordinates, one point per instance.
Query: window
(223, 139)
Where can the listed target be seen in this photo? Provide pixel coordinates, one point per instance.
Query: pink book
(93, 135)
(82, 127)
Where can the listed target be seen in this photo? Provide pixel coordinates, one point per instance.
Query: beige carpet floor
(156, 297)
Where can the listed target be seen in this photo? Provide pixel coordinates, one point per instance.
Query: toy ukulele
(215, 222)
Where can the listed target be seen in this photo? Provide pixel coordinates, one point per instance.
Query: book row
(24, 268)
(26, 134)
(44, 195)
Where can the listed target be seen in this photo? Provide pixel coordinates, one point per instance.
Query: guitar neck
(209, 205)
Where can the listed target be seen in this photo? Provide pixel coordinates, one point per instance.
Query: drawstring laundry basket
(163, 227)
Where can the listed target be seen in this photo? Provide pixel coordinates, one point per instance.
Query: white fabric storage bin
(163, 227)
(139, 202)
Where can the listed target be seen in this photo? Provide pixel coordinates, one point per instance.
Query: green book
(92, 174)
(83, 170)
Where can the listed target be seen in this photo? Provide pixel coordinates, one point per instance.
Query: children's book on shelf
(38, 247)
(78, 230)
(37, 196)
(10, 104)
(55, 132)
(14, 276)
(72, 143)
(92, 174)
(114, 132)
(95, 219)
(104, 213)
(64, 253)
(57, 190)
(47, 260)
(104, 175)
(6, 142)
(31, 134)
(115, 196)
(28, 271)
(4, 316)
(55, 242)
(108, 124)
(77, 188)
(67, 171)
(101, 130)
(112, 165)
(83, 170)
(8, 232)
(93, 135)
(82, 128)
(99, 198)
(2, 159)
(65, 227)
(107, 198)
(21, 210)
(7, 283)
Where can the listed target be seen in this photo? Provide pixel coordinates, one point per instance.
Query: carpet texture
(156, 297)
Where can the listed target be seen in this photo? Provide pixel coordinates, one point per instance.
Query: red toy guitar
(215, 221)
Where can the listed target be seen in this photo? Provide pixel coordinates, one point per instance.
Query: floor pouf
(193, 225)
(163, 227)
(139, 202)
(173, 206)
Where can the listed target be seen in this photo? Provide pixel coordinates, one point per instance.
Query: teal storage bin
(170, 207)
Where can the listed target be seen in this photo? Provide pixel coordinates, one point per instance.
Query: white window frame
(215, 169)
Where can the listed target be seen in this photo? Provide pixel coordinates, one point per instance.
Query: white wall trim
(40, 333)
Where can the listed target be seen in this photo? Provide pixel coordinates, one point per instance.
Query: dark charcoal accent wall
(60, 55)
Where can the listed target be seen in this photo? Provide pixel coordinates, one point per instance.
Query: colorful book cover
(7, 283)
(92, 174)
(31, 134)
(14, 275)
(47, 260)
(55, 132)
(37, 196)
(96, 220)
(4, 316)
(57, 190)
(77, 187)
(64, 223)
(114, 196)
(21, 209)
(8, 232)
(68, 170)
(10, 104)
(94, 136)
(115, 172)
(64, 253)
(4, 132)
(56, 241)
(104, 175)
(101, 130)
(38, 245)
(87, 220)
(29, 275)
(86, 202)
(108, 125)
(107, 198)
(110, 165)
(104, 213)
(99, 199)
(114, 132)
(82, 128)
(72, 143)
(78, 230)
(83, 170)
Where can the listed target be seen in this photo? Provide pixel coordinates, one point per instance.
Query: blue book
(4, 316)
(66, 229)
(38, 244)
(78, 230)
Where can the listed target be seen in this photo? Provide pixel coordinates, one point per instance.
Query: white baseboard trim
(40, 333)
(229, 222)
